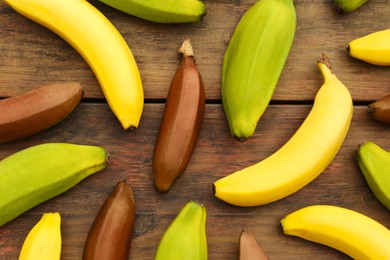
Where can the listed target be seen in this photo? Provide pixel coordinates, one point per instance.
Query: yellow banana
(253, 62)
(348, 231)
(373, 48)
(101, 45)
(161, 11)
(38, 173)
(303, 157)
(44, 240)
(185, 238)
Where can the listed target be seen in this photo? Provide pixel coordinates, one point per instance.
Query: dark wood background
(32, 56)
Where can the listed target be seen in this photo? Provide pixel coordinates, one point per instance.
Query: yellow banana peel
(44, 240)
(348, 231)
(309, 151)
(373, 48)
(100, 44)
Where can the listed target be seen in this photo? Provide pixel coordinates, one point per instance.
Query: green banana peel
(185, 238)
(253, 63)
(349, 6)
(374, 163)
(161, 11)
(38, 173)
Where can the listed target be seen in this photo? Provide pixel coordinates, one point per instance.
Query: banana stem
(186, 49)
(325, 67)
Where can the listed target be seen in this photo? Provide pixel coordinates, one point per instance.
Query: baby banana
(373, 48)
(37, 110)
(380, 109)
(346, 230)
(253, 62)
(111, 233)
(317, 140)
(348, 6)
(100, 44)
(38, 173)
(185, 238)
(181, 123)
(250, 248)
(44, 240)
(374, 162)
(161, 11)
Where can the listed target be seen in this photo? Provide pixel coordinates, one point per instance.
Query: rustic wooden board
(216, 155)
(32, 56)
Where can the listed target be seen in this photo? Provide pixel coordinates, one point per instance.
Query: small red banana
(181, 122)
(37, 110)
(111, 233)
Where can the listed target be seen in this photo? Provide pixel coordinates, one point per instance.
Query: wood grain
(216, 155)
(33, 56)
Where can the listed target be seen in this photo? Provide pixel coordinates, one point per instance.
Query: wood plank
(216, 155)
(32, 56)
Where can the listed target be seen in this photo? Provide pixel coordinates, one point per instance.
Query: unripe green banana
(374, 162)
(185, 238)
(36, 174)
(253, 62)
(161, 11)
(349, 5)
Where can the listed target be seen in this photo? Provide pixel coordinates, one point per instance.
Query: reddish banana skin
(37, 110)
(111, 232)
(181, 123)
(249, 248)
(380, 109)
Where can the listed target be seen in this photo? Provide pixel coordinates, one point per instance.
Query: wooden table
(32, 56)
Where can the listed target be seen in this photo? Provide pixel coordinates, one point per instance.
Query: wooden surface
(32, 56)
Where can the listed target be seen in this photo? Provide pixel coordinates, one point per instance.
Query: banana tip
(325, 60)
(186, 48)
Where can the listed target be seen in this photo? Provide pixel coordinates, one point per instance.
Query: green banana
(38, 173)
(374, 162)
(253, 62)
(161, 11)
(185, 238)
(348, 6)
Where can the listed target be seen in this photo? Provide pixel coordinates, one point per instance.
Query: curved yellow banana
(44, 240)
(101, 45)
(302, 158)
(373, 48)
(353, 233)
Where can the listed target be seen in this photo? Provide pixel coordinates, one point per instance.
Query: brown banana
(249, 248)
(380, 109)
(111, 232)
(37, 110)
(181, 122)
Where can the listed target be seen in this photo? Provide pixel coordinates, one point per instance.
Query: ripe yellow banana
(253, 62)
(303, 157)
(374, 162)
(185, 238)
(44, 240)
(348, 231)
(161, 11)
(100, 44)
(373, 48)
(38, 173)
